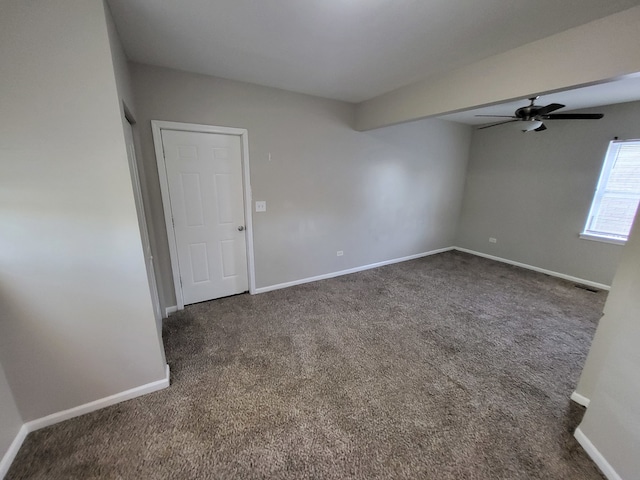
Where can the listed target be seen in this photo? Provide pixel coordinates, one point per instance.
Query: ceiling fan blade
(574, 116)
(541, 128)
(496, 124)
(503, 116)
(552, 107)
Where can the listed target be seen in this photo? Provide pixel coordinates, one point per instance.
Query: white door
(142, 223)
(204, 175)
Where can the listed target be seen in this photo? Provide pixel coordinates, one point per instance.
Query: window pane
(615, 215)
(625, 174)
(618, 194)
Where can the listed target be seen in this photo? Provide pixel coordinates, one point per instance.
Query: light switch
(261, 206)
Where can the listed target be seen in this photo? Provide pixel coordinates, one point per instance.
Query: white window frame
(601, 189)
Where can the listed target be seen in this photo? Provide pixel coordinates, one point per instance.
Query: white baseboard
(57, 417)
(596, 456)
(581, 281)
(98, 404)
(11, 453)
(170, 310)
(347, 272)
(580, 399)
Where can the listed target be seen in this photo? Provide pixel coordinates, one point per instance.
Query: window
(617, 195)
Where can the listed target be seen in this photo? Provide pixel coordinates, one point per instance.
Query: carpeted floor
(447, 367)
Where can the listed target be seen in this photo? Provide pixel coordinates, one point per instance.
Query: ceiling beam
(595, 52)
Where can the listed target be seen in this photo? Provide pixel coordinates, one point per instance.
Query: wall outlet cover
(261, 206)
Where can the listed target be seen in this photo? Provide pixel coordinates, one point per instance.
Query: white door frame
(142, 219)
(157, 126)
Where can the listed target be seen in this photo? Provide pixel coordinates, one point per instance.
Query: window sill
(603, 239)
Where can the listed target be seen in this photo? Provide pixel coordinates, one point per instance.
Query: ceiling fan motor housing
(527, 113)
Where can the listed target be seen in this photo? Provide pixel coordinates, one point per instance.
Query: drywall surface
(532, 192)
(612, 421)
(120, 65)
(125, 94)
(591, 53)
(77, 323)
(10, 419)
(375, 196)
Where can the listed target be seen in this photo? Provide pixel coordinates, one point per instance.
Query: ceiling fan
(533, 116)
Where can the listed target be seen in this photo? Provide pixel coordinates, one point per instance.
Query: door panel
(199, 262)
(192, 199)
(204, 174)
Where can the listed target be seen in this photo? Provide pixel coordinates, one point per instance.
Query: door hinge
(173, 222)
(181, 281)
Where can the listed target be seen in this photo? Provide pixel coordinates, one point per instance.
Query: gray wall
(120, 66)
(77, 323)
(376, 196)
(126, 97)
(610, 377)
(10, 419)
(533, 192)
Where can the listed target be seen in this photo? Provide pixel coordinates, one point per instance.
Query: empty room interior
(322, 239)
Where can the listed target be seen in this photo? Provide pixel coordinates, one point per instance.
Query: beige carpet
(448, 367)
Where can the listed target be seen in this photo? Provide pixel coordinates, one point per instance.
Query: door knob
(241, 228)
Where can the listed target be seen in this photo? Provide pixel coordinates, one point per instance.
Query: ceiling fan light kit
(528, 125)
(532, 117)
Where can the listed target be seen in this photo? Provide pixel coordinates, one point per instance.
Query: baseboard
(349, 271)
(98, 404)
(596, 456)
(169, 310)
(580, 399)
(11, 453)
(581, 281)
(57, 417)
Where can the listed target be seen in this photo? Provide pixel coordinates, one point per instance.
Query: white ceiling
(349, 50)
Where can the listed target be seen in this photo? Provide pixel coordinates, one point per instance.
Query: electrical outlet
(261, 206)
(339, 253)
(493, 240)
